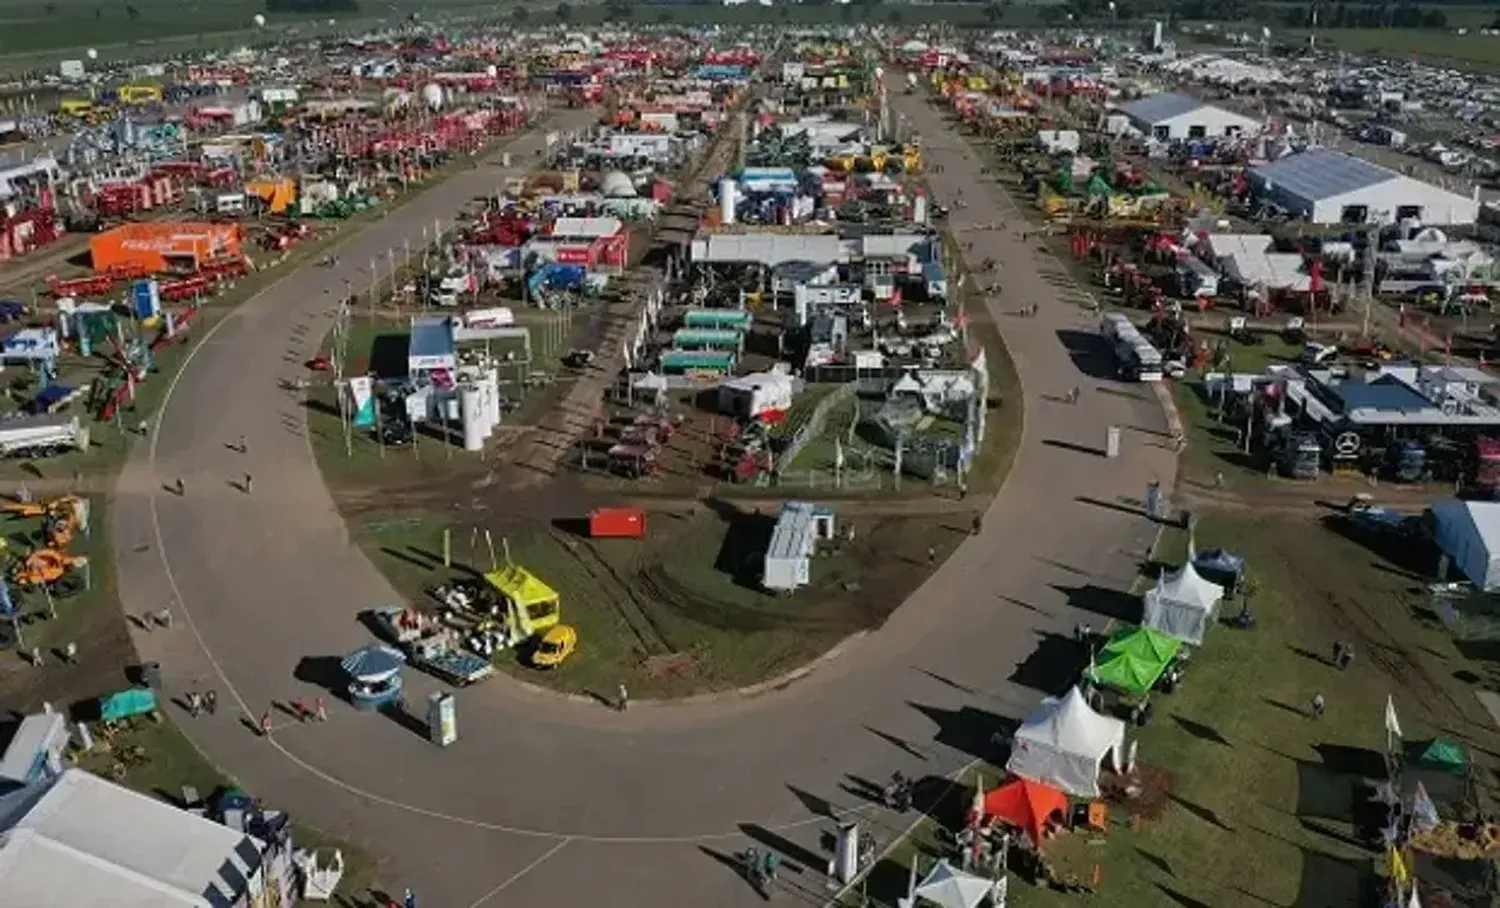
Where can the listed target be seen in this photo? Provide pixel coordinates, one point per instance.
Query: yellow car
(555, 646)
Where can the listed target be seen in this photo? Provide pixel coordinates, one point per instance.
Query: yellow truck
(140, 94)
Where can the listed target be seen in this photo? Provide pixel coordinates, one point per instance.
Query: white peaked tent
(1183, 604)
(949, 887)
(1062, 743)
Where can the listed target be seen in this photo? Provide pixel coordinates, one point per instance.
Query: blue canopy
(373, 663)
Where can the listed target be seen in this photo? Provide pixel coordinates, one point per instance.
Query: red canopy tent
(1028, 805)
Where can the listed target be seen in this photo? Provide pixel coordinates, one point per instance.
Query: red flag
(1315, 278)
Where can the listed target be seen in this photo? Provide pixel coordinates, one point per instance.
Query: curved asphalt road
(550, 801)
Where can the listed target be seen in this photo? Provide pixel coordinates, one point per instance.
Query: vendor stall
(1182, 605)
(1134, 660)
(1032, 807)
(1062, 743)
(374, 676)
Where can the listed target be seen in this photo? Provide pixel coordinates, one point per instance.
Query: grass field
(678, 613)
(1265, 805)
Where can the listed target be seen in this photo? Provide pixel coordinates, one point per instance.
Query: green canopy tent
(123, 704)
(1133, 660)
(1442, 754)
(1097, 186)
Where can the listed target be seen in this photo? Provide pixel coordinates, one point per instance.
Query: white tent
(1469, 532)
(1182, 604)
(949, 887)
(1062, 743)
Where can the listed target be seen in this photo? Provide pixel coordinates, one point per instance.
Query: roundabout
(552, 800)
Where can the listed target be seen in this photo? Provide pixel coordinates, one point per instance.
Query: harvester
(62, 518)
(51, 569)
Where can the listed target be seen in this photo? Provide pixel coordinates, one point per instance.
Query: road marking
(520, 873)
(885, 852)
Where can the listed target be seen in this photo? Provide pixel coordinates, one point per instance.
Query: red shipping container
(617, 523)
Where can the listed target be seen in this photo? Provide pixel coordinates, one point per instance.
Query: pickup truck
(429, 646)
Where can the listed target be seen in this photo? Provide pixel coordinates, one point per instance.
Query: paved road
(550, 801)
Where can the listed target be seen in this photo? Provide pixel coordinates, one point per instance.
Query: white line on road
(520, 873)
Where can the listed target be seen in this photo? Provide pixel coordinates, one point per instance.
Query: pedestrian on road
(322, 710)
(1074, 394)
(211, 701)
(143, 427)
(244, 445)
(771, 865)
(36, 655)
(265, 724)
(70, 652)
(977, 525)
(164, 618)
(410, 900)
(1346, 656)
(194, 704)
(1318, 706)
(1219, 479)
(248, 480)
(181, 489)
(622, 702)
(932, 554)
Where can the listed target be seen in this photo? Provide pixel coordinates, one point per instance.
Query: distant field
(32, 37)
(30, 32)
(1480, 52)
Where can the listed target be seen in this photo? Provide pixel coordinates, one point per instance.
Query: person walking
(194, 704)
(181, 488)
(976, 525)
(244, 445)
(321, 710)
(211, 701)
(265, 724)
(932, 554)
(164, 618)
(248, 480)
(622, 701)
(70, 652)
(1318, 706)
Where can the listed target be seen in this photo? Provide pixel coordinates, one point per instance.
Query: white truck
(42, 436)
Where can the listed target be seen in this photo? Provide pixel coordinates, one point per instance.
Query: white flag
(1392, 724)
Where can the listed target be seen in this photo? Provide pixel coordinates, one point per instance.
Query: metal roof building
(78, 839)
(793, 540)
(1168, 117)
(1329, 187)
(767, 248)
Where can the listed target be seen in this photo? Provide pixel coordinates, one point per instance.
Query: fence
(815, 422)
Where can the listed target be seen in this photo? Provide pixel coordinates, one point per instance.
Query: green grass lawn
(1263, 797)
(666, 616)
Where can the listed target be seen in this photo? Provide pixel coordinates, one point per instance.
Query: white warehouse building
(1329, 187)
(1170, 117)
